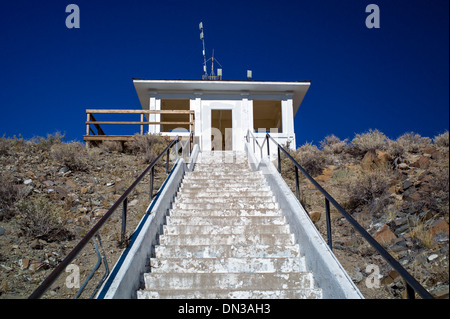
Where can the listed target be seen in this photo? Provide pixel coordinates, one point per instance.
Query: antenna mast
(200, 26)
(205, 73)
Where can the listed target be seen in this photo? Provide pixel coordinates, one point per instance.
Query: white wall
(241, 105)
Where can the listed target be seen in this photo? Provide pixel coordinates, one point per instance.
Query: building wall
(241, 105)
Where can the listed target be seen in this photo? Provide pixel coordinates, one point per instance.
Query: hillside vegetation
(397, 189)
(52, 192)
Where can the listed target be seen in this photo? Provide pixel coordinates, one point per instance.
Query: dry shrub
(149, 146)
(419, 231)
(373, 139)
(441, 140)
(4, 146)
(367, 189)
(111, 146)
(9, 193)
(310, 158)
(413, 143)
(333, 145)
(39, 218)
(72, 155)
(435, 197)
(395, 149)
(45, 144)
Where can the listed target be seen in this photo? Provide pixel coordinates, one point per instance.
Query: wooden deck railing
(101, 136)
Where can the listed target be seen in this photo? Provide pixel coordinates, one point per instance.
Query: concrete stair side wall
(124, 279)
(329, 275)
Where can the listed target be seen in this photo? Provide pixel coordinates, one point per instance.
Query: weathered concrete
(225, 237)
(124, 279)
(329, 274)
(222, 240)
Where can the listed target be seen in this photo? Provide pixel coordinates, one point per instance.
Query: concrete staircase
(225, 237)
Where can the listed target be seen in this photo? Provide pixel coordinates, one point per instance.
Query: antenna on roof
(205, 75)
(202, 37)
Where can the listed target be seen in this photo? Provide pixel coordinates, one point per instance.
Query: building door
(221, 130)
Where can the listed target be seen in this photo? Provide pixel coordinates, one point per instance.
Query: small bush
(395, 149)
(9, 193)
(72, 155)
(45, 144)
(367, 189)
(333, 145)
(112, 146)
(364, 142)
(4, 146)
(149, 146)
(413, 143)
(441, 140)
(310, 158)
(39, 218)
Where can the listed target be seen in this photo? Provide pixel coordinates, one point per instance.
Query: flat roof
(297, 88)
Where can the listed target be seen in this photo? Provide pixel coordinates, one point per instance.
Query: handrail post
(268, 149)
(328, 217)
(167, 161)
(410, 292)
(124, 220)
(279, 159)
(151, 182)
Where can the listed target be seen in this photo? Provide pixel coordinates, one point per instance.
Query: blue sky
(394, 78)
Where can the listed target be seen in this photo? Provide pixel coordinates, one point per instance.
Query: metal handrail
(255, 141)
(412, 285)
(40, 290)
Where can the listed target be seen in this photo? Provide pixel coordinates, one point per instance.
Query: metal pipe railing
(412, 285)
(40, 290)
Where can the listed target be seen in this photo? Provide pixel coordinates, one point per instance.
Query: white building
(224, 110)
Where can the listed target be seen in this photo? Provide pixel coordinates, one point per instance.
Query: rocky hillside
(398, 190)
(52, 193)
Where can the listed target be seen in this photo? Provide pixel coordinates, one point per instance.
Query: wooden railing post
(88, 125)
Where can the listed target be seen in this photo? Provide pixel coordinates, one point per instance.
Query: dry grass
(72, 155)
(413, 143)
(149, 146)
(9, 193)
(333, 145)
(367, 190)
(419, 231)
(362, 143)
(441, 140)
(40, 218)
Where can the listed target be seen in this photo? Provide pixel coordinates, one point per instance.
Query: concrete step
(236, 205)
(221, 239)
(226, 221)
(222, 184)
(186, 189)
(221, 167)
(231, 294)
(225, 194)
(222, 251)
(223, 178)
(229, 281)
(231, 230)
(227, 200)
(219, 172)
(214, 212)
(227, 265)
